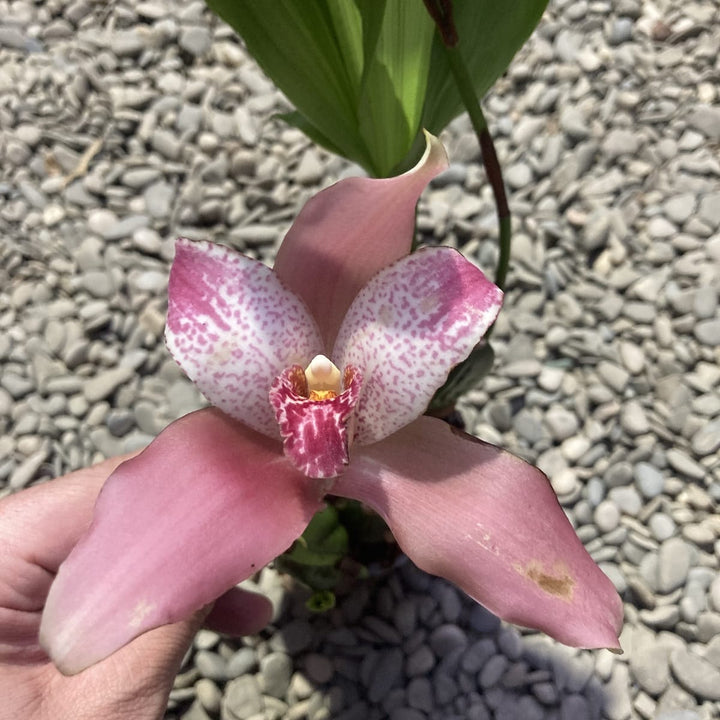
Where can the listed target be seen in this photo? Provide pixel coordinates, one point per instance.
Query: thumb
(160, 652)
(135, 681)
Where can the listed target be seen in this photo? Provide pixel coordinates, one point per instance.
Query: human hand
(38, 528)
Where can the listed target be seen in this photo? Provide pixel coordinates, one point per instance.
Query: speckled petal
(207, 504)
(407, 328)
(490, 523)
(348, 232)
(232, 327)
(315, 432)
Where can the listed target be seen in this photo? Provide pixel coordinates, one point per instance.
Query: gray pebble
(276, 670)
(99, 284)
(674, 560)
(574, 124)
(696, 674)
(684, 464)
(209, 695)
(405, 616)
(241, 662)
(27, 469)
(705, 119)
(126, 227)
(419, 662)
(709, 210)
(620, 142)
(561, 422)
(311, 169)
(606, 516)
(649, 662)
(211, 665)
(420, 694)
(386, 674)
(17, 385)
(633, 418)
(11, 37)
(319, 668)
(120, 421)
(445, 688)
(493, 670)
(196, 711)
(195, 40)
(127, 43)
(615, 376)
(621, 31)
(708, 332)
(166, 143)
(617, 695)
(477, 654)
(649, 480)
(104, 384)
(574, 707)
(680, 208)
(446, 638)
(627, 499)
(242, 698)
(518, 175)
(662, 526)
(158, 199)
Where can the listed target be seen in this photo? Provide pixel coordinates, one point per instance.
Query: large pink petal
(206, 505)
(407, 328)
(347, 233)
(491, 524)
(233, 327)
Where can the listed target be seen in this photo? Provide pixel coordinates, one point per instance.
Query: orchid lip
(314, 411)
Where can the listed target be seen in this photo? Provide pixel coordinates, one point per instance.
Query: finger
(38, 528)
(133, 682)
(239, 612)
(43, 523)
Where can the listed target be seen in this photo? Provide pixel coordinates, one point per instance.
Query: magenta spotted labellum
(320, 370)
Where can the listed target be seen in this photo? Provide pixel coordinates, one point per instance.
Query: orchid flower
(319, 370)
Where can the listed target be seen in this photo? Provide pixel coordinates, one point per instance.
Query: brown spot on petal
(556, 581)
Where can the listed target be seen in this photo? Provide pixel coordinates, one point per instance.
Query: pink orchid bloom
(320, 370)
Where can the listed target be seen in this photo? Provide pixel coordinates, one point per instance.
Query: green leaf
(490, 34)
(321, 601)
(356, 70)
(395, 79)
(310, 58)
(324, 542)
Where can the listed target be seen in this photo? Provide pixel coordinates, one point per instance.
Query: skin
(38, 528)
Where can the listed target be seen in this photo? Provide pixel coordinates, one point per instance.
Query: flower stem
(441, 13)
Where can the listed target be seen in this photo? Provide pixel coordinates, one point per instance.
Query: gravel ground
(124, 125)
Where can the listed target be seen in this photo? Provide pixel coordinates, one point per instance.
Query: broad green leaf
(490, 34)
(394, 82)
(347, 22)
(299, 46)
(314, 558)
(356, 70)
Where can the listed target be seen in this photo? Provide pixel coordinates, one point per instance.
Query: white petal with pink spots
(407, 328)
(233, 327)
